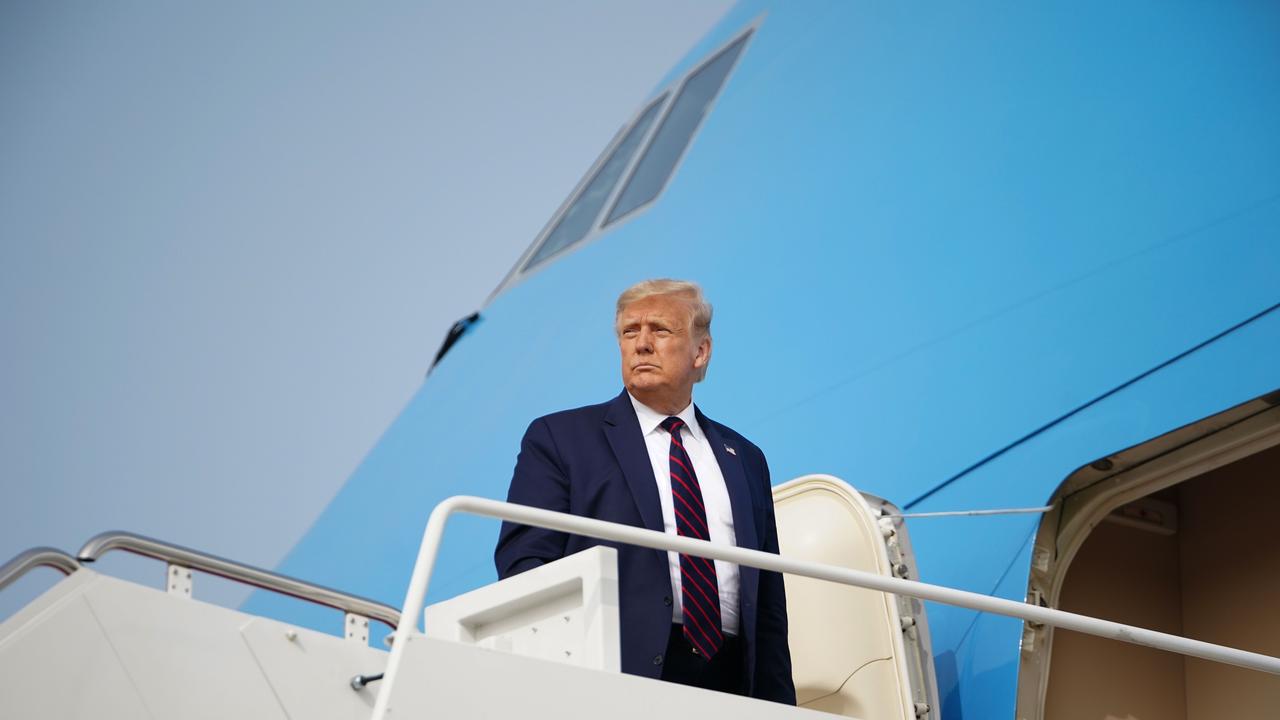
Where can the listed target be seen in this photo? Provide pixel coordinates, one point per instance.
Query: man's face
(662, 354)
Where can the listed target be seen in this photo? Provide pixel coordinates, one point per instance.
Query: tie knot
(672, 425)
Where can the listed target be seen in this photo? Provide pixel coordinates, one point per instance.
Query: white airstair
(94, 646)
(543, 644)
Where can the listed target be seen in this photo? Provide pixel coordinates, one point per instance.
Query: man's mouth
(644, 366)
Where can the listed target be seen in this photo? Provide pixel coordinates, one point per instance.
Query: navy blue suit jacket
(593, 462)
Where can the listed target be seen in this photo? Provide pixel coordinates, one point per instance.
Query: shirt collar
(651, 420)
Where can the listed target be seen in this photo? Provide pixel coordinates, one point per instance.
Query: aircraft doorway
(1177, 535)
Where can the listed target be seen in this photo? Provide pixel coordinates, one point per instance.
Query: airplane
(1000, 275)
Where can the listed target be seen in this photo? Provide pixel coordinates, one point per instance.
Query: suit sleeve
(773, 659)
(539, 480)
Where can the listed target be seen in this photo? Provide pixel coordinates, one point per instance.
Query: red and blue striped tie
(700, 591)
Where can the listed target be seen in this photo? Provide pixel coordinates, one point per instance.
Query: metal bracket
(177, 581)
(356, 628)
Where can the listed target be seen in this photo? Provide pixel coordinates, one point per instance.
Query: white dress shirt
(715, 496)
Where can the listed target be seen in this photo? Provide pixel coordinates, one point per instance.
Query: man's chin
(643, 382)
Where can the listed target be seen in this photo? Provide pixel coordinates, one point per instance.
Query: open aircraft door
(855, 652)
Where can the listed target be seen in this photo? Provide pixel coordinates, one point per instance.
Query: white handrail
(524, 515)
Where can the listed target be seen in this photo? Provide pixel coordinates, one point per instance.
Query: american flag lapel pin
(730, 450)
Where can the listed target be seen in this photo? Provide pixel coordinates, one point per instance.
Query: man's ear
(703, 355)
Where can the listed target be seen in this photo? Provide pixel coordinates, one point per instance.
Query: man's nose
(644, 341)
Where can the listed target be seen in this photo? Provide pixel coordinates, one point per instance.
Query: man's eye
(629, 332)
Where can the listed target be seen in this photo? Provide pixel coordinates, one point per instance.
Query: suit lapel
(735, 480)
(622, 430)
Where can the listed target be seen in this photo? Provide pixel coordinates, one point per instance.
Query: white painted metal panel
(56, 662)
(186, 657)
(311, 673)
(565, 611)
(441, 679)
(99, 648)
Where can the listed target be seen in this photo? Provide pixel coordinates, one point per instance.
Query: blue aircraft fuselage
(956, 252)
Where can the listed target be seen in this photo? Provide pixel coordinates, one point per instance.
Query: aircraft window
(673, 136)
(581, 216)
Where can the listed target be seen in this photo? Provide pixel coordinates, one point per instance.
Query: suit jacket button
(667, 601)
(657, 659)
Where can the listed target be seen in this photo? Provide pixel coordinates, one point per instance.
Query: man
(650, 458)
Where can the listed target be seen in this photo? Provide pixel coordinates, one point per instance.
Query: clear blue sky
(232, 236)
